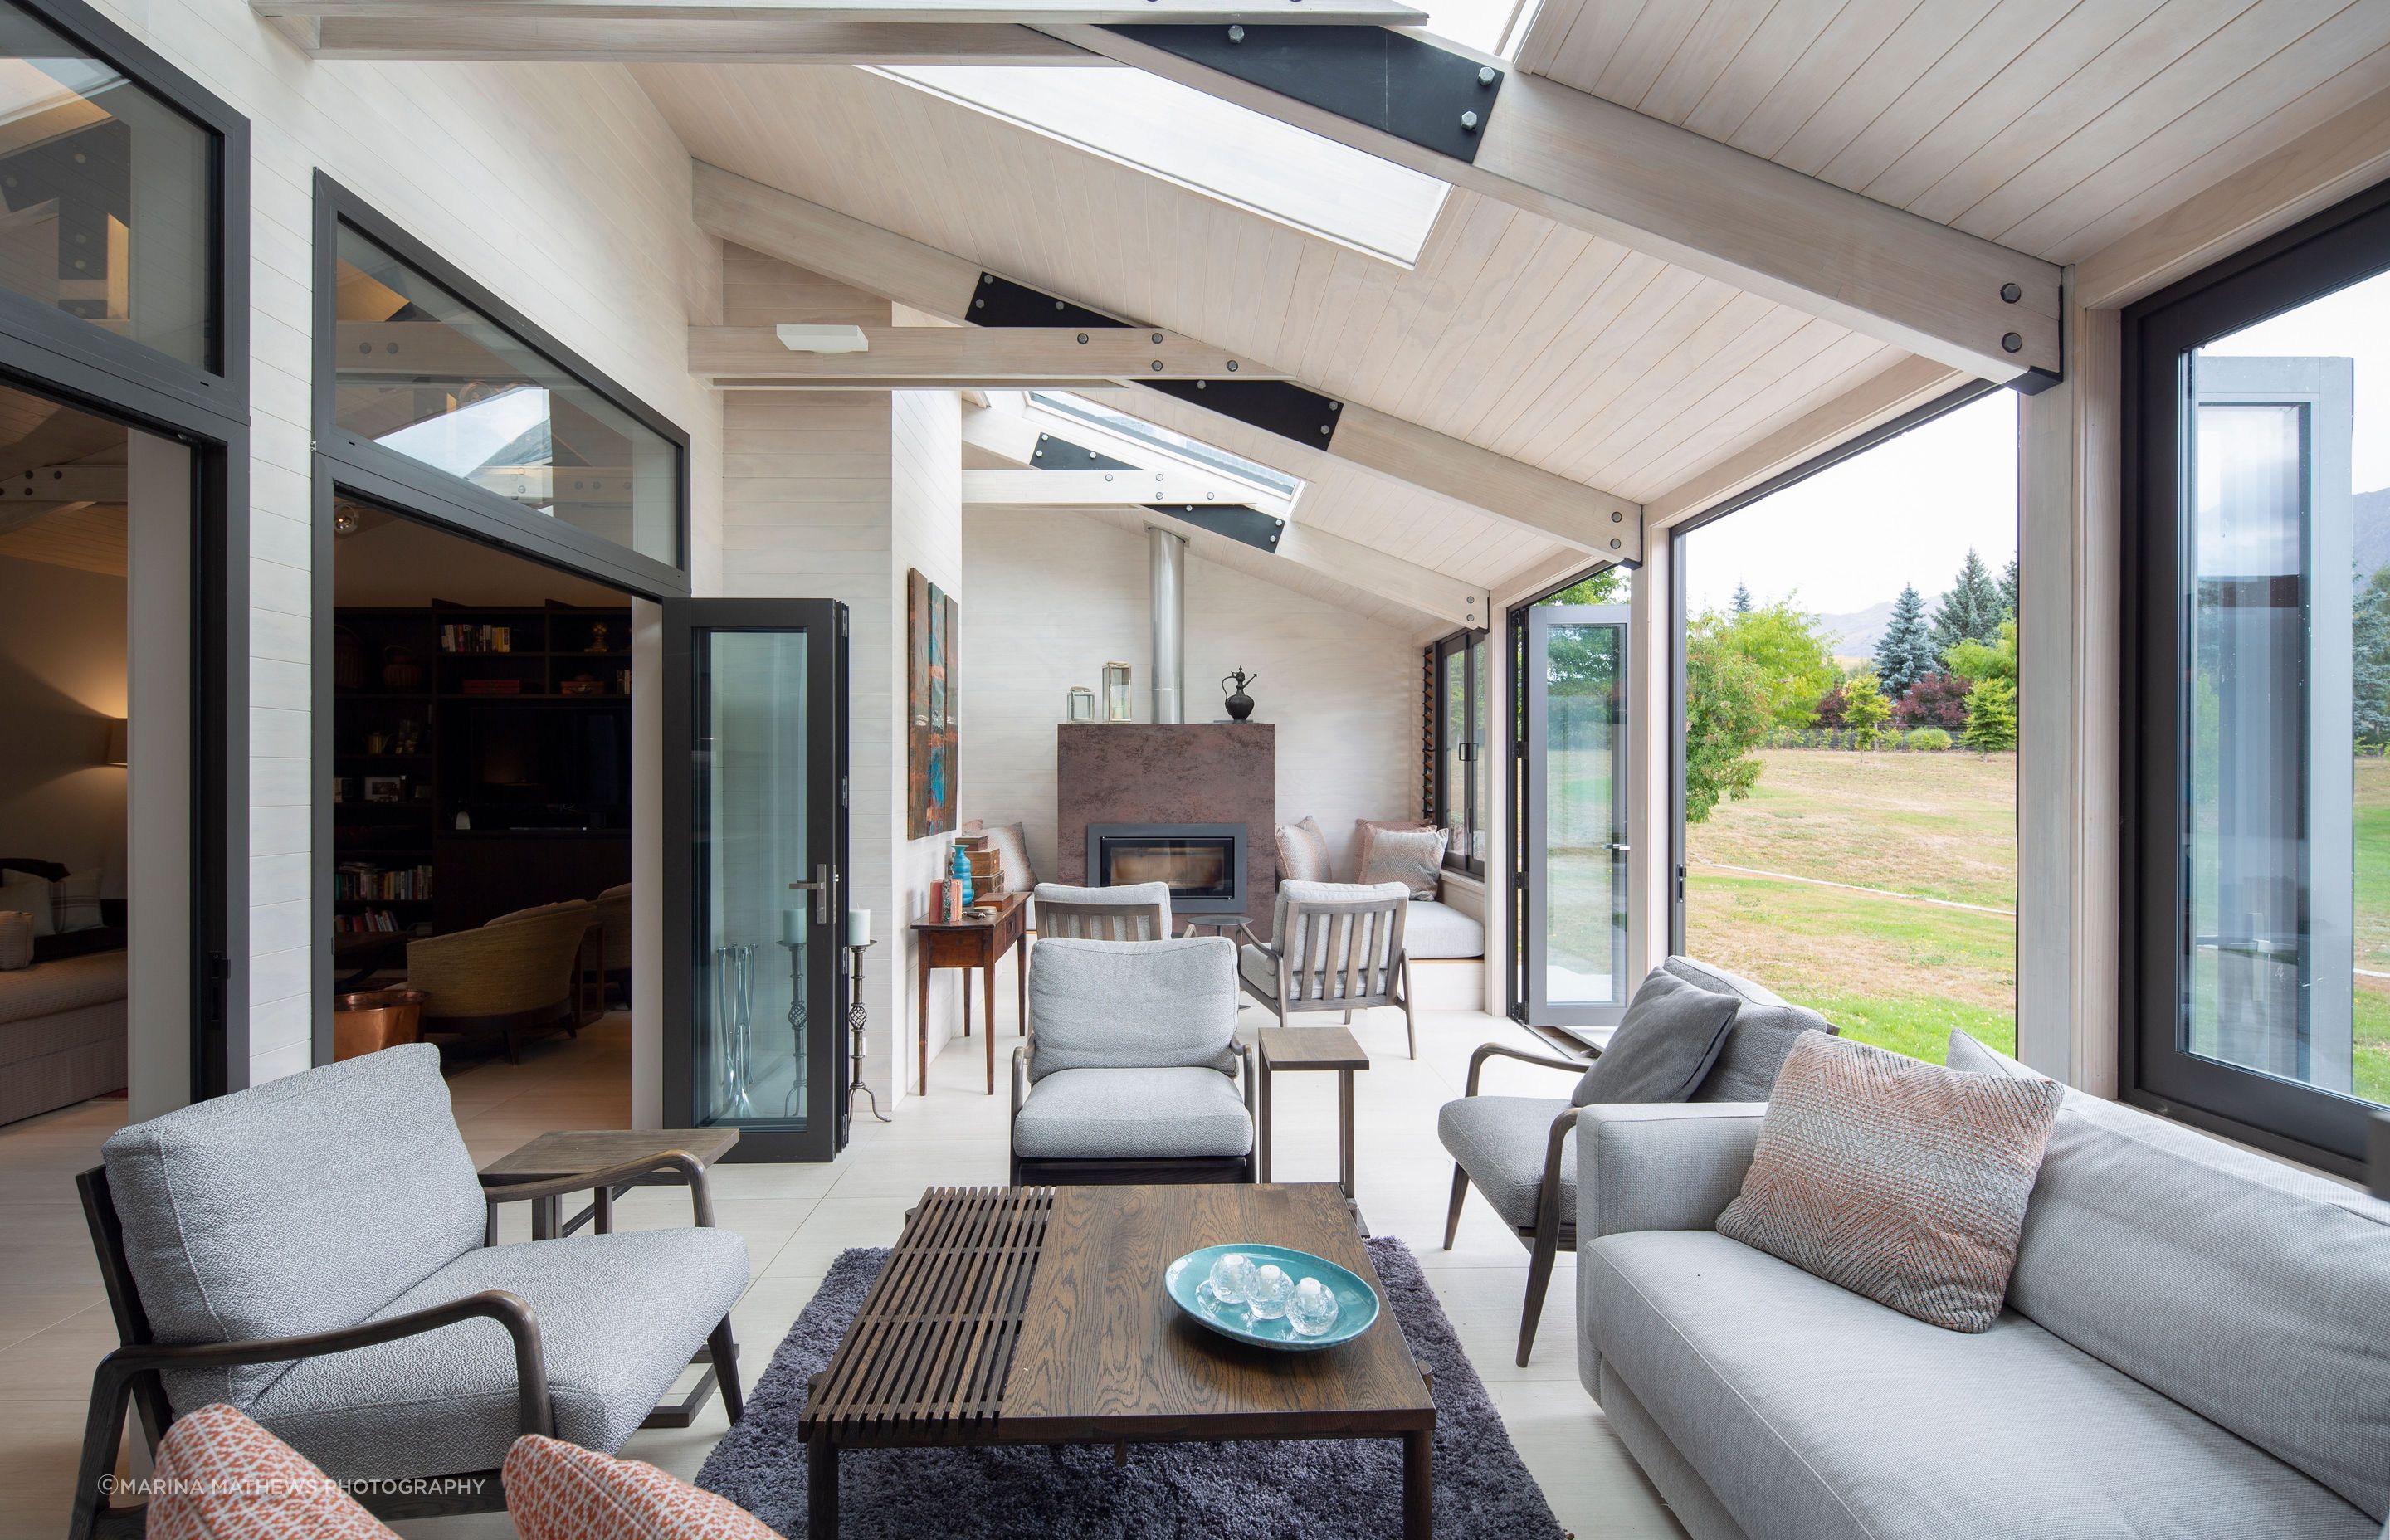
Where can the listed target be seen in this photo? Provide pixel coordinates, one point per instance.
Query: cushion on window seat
(1435, 930)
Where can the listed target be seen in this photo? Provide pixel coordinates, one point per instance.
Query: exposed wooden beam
(54, 484)
(909, 12)
(903, 354)
(897, 267)
(1650, 186)
(1094, 489)
(1906, 386)
(773, 40)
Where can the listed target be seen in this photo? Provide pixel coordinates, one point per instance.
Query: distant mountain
(2372, 530)
(1853, 635)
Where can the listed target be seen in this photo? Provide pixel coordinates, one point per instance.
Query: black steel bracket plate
(1288, 410)
(1053, 453)
(1001, 303)
(1385, 79)
(1239, 521)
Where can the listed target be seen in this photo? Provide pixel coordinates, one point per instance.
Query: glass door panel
(754, 839)
(1576, 844)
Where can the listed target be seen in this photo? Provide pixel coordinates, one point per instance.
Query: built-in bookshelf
(428, 705)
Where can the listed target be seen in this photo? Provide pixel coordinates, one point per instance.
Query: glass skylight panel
(1193, 452)
(1213, 147)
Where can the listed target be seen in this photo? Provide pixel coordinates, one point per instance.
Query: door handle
(820, 888)
(1621, 849)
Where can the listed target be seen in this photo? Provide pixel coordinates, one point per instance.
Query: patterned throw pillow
(1303, 853)
(1413, 858)
(557, 1491)
(1897, 1179)
(1365, 832)
(221, 1477)
(74, 902)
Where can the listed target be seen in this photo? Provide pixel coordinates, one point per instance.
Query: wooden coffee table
(1037, 1315)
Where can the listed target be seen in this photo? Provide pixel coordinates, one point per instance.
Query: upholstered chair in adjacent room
(1132, 1071)
(1333, 946)
(1520, 1152)
(512, 975)
(312, 1251)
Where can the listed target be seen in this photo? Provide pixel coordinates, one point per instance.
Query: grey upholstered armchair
(1520, 1152)
(1132, 1071)
(311, 1251)
(1351, 934)
(1131, 911)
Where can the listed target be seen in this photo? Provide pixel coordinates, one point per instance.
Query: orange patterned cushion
(221, 1477)
(557, 1491)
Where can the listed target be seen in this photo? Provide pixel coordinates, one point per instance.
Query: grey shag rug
(1322, 1490)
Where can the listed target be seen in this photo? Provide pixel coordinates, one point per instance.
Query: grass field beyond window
(1886, 966)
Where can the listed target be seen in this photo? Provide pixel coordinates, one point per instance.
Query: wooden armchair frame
(1358, 931)
(1552, 1228)
(1059, 918)
(130, 1377)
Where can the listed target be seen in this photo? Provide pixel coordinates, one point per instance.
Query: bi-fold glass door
(755, 860)
(1574, 832)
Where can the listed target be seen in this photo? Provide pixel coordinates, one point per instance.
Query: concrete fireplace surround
(1191, 773)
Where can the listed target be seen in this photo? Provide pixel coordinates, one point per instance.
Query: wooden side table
(967, 944)
(1321, 1049)
(566, 1152)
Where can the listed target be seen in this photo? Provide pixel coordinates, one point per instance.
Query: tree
(1905, 650)
(1726, 717)
(1991, 716)
(1973, 660)
(1796, 662)
(1830, 709)
(1937, 700)
(1606, 586)
(2370, 674)
(1865, 708)
(1742, 598)
(2010, 579)
(1971, 611)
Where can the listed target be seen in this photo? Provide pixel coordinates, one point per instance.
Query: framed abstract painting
(933, 625)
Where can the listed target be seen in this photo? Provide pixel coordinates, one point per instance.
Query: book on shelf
(457, 636)
(368, 879)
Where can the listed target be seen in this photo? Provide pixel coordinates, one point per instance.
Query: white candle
(858, 928)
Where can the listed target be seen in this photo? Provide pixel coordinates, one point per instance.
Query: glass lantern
(1116, 701)
(1082, 706)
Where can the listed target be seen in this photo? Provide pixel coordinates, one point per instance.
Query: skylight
(1200, 142)
(1178, 446)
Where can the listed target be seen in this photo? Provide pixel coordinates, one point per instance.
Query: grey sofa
(2194, 1345)
(1132, 1071)
(328, 1229)
(1520, 1152)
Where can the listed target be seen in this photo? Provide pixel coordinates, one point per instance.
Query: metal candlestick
(856, 1017)
(796, 1023)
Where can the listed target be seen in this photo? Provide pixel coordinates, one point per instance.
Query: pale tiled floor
(54, 1322)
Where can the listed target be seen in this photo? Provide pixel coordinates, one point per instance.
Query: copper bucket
(370, 1020)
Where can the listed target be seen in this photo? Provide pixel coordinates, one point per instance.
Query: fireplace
(1203, 864)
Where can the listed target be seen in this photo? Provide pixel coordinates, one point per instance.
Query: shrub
(1937, 700)
(1991, 716)
(1928, 740)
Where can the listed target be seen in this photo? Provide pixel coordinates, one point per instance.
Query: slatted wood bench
(1037, 1315)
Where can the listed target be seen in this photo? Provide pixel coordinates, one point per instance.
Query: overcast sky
(1906, 511)
(2353, 323)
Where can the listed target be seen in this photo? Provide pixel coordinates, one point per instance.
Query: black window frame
(2343, 245)
(1472, 645)
(384, 475)
(45, 352)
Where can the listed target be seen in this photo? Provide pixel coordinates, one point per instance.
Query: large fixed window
(2258, 689)
(1460, 789)
(1847, 734)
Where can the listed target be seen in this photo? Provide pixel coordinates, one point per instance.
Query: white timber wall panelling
(1056, 596)
(562, 189)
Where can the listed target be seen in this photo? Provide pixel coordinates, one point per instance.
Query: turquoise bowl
(1357, 1303)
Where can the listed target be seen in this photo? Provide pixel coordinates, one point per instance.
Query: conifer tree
(1906, 653)
(1971, 611)
(2010, 579)
(1742, 598)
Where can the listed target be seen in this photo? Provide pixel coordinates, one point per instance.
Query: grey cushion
(1413, 858)
(1812, 1413)
(1303, 853)
(295, 1206)
(1965, 1052)
(619, 1316)
(1435, 929)
(1765, 1025)
(1133, 1004)
(1132, 1114)
(2257, 1294)
(1670, 1034)
(1126, 894)
(1499, 1141)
